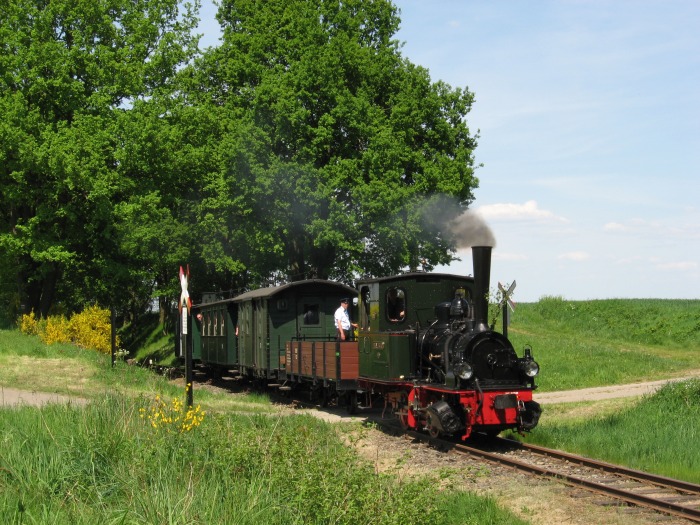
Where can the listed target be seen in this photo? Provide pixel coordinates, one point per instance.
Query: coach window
(311, 314)
(396, 304)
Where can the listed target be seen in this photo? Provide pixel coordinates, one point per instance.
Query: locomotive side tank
(435, 359)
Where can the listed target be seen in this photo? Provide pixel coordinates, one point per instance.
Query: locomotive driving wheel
(433, 430)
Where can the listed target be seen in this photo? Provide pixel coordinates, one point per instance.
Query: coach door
(260, 335)
(245, 334)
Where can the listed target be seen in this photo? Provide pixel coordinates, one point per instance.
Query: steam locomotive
(423, 348)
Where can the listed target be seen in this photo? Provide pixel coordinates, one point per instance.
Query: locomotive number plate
(378, 345)
(505, 401)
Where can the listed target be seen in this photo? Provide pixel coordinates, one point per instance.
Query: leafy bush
(56, 330)
(29, 324)
(90, 328)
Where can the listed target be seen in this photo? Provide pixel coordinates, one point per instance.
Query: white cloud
(498, 256)
(512, 211)
(615, 227)
(634, 260)
(574, 256)
(680, 265)
(680, 230)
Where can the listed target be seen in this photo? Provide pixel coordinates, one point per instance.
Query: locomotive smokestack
(481, 256)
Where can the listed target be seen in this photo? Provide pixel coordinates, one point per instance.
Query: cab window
(395, 304)
(364, 307)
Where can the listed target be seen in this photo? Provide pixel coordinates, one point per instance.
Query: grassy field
(134, 455)
(246, 464)
(581, 344)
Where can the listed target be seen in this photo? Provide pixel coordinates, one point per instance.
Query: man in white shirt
(342, 322)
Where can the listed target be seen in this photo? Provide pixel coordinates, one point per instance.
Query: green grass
(26, 363)
(656, 434)
(147, 340)
(581, 344)
(101, 462)
(105, 463)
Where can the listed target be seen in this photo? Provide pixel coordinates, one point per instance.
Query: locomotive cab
(393, 312)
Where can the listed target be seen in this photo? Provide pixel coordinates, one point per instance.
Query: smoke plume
(471, 230)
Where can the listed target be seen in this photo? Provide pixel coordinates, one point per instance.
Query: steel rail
(661, 481)
(628, 496)
(642, 500)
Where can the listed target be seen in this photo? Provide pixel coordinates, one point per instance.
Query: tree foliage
(356, 141)
(305, 145)
(68, 71)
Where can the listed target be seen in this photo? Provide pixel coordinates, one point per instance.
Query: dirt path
(607, 392)
(12, 397)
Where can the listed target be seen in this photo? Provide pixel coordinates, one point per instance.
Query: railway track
(669, 496)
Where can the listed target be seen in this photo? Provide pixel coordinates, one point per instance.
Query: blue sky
(588, 114)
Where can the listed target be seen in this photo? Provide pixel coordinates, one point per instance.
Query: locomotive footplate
(504, 401)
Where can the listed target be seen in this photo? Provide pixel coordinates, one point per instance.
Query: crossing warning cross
(184, 295)
(506, 295)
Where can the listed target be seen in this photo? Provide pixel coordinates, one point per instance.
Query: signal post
(185, 307)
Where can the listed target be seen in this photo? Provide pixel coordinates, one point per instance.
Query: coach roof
(274, 290)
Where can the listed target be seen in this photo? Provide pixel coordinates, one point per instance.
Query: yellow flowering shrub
(29, 324)
(172, 417)
(55, 330)
(90, 328)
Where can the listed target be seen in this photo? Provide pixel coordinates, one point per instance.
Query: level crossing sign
(506, 295)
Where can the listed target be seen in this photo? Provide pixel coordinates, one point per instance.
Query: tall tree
(69, 69)
(353, 142)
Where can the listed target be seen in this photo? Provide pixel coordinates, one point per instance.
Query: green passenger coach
(249, 331)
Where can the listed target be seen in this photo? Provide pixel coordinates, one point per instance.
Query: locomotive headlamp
(529, 367)
(463, 370)
(527, 364)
